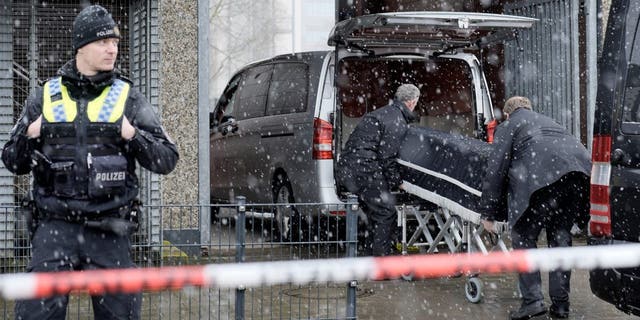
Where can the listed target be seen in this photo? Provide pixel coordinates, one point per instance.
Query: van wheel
(289, 225)
(215, 211)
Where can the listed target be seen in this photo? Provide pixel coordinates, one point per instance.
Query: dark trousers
(62, 246)
(554, 208)
(379, 206)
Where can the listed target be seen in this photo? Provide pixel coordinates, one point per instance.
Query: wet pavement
(442, 298)
(445, 299)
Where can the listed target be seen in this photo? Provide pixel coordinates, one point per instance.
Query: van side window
(632, 90)
(327, 93)
(251, 98)
(225, 104)
(632, 94)
(288, 90)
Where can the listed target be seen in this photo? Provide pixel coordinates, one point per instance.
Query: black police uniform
(84, 174)
(368, 168)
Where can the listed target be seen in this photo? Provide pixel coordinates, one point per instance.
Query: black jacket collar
(406, 113)
(72, 78)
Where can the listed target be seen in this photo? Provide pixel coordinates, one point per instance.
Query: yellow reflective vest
(107, 107)
(82, 140)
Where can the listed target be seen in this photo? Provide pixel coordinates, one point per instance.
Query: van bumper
(620, 287)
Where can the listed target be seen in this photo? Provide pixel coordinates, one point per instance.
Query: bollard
(240, 244)
(352, 246)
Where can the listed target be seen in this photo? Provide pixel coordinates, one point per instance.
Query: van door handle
(618, 156)
(277, 134)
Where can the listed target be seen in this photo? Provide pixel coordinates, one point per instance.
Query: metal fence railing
(237, 236)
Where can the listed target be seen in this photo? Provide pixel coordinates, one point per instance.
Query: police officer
(81, 135)
(544, 172)
(368, 166)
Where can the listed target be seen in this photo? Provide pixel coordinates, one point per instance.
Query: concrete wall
(179, 95)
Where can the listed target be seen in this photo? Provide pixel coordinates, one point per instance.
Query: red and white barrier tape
(39, 285)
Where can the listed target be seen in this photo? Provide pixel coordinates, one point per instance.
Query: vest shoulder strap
(57, 105)
(114, 101)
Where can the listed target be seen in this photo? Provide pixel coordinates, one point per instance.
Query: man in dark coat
(368, 167)
(544, 172)
(81, 135)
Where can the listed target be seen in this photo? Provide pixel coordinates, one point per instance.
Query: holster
(124, 226)
(30, 216)
(41, 168)
(134, 215)
(118, 226)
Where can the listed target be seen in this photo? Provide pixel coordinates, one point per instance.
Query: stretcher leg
(422, 218)
(447, 231)
(459, 228)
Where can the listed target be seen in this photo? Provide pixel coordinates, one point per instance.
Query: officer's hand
(489, 225)
(33, 131)
(127, 130)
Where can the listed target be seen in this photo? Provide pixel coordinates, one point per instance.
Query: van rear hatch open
(433, 30)
(377, 53)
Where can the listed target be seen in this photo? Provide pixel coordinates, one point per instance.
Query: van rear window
(365, 84)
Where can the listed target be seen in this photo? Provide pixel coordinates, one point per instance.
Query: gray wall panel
(145, 63)
(7, 217)
(6, 92)
(546, 69)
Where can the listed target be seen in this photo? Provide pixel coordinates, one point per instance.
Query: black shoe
(528, 311)
(559, 310)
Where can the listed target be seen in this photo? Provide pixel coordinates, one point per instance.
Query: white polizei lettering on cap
(103, 33)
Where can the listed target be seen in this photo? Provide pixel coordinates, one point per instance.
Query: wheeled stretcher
(446, 172)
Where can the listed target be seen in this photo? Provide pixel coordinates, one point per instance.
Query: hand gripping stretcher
(446, 172)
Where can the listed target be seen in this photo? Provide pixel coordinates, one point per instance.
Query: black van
(615, 176)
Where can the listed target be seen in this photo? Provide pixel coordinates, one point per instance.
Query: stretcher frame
(458, 230)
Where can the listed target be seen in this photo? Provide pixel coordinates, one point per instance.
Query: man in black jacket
(368, 167)
(81, 135)
(544, 172)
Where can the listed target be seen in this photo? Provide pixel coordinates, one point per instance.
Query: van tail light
(600, 223)
(491, 129)
(322, 139)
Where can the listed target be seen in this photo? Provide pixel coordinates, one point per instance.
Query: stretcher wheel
(473, 290)
(407, 276)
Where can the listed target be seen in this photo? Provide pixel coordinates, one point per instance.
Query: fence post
(352, 246)
(240, 244)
